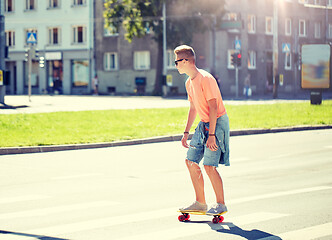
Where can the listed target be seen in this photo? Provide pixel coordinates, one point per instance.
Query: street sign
(286, 47)
(32, 38)
(238, 44)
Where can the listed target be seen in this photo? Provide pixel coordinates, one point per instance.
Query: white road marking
(187, 230)
(309, 233)
(58, 209)
(144, 216)
(279, 194)
(101, 223)
(22, 198)
(77, 176)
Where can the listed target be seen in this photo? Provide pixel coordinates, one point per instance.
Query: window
(9, 5)
(288, 61)
(329, 3)
(251, 23)
(30, 5)
(330, 31)
(318, 2)
(79, 34)
(79, 2)
(317, 29)
(110, 61)
(288, 27)
(110, 31)
(142, 60)
(33, 30)
(54, 36)
(251, 60)
(303, 1)
(10, 38)
(170, 59)
(269, 25)
(53, 3)
(230, 16)
(302, 28)
(80, 71)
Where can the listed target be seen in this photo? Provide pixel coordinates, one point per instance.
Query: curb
(53, 148)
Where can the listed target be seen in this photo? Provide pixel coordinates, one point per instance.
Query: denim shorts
(197, 147)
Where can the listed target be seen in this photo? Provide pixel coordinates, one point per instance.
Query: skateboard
(185, 216)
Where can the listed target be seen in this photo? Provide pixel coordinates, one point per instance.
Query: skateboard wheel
(182, 218)
(187, 216)
(221, 219)
(215, 220)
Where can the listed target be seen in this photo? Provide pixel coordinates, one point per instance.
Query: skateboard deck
(185, 216)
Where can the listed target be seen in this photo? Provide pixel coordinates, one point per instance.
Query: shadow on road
(40, 237)
(253, 234)
(5, 106)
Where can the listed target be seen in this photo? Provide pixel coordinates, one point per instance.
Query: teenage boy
(211, 137)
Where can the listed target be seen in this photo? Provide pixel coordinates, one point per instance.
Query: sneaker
(195, 207)
(217, 209)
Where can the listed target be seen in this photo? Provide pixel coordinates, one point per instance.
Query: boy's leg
(197, 180)
(217, 183)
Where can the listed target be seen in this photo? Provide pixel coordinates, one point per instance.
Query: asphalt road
(277, 187)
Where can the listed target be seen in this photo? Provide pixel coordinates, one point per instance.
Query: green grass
(112, 125)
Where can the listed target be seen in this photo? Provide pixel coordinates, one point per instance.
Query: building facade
(299, 22)
(76, 46)
(64, 34)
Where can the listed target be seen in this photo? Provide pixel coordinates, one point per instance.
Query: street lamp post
(275, 46)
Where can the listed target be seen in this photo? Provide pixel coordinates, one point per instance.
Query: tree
(184, 18)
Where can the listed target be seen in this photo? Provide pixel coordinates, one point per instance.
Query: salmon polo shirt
(200, 90)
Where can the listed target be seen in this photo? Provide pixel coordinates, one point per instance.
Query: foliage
(184, 17)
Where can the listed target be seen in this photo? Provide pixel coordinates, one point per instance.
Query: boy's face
(180, 62)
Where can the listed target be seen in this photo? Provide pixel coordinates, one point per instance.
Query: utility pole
(164, 49)
(275, 46)
(2, 52)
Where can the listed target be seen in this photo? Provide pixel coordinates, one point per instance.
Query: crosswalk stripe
(279, 194)
(108, 222)
(58, 209)
(22, 198)
(100, 223)
(187, 230)
(136, 217)
(309, 233)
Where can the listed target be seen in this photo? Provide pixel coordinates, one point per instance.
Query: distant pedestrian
(275, 86)
(247, 88)
(211, 137)
(95, 85)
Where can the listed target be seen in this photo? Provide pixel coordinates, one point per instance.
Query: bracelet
(212, 134)
(185, 132)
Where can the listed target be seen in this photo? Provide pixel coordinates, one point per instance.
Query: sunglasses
(177, 61)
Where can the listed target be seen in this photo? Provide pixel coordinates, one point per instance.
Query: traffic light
(26, 55)
(234, 59)
(41, 62)
(238, 59)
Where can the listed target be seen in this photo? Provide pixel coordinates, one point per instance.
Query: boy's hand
(211, 143)
(184, 140)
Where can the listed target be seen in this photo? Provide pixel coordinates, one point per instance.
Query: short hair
(185, 50)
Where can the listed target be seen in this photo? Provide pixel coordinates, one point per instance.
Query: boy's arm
(213, 113)
(191, 118)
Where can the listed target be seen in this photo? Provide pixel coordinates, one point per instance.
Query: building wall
(64, 17)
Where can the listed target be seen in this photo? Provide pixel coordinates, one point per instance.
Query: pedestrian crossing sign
(32, 37)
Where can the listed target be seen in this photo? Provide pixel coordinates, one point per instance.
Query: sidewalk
(42, 103)
(15, 104)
